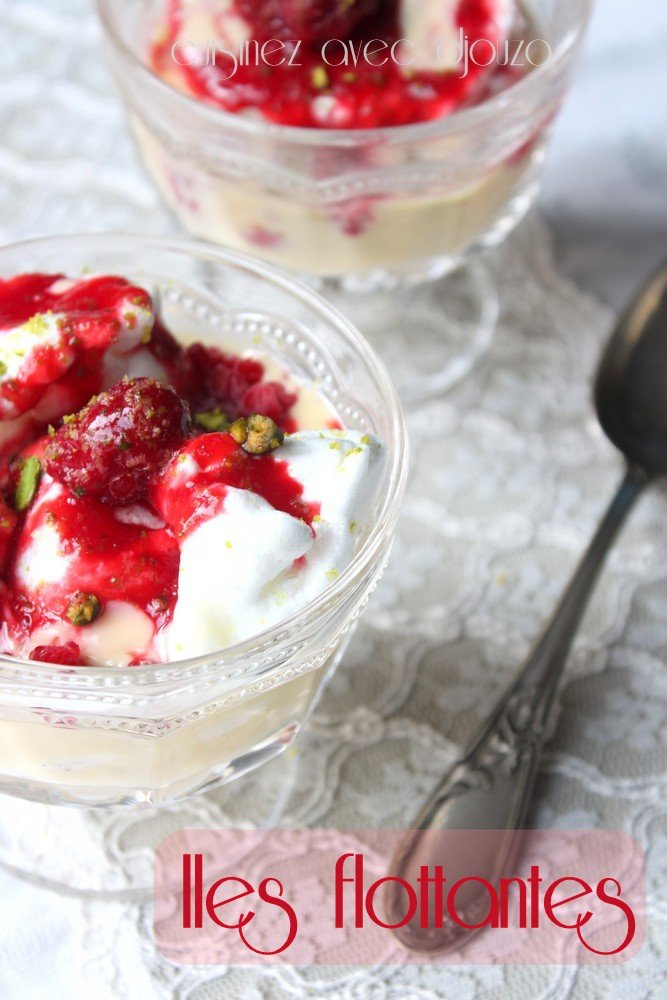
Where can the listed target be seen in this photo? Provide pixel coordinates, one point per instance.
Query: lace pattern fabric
(510, 473)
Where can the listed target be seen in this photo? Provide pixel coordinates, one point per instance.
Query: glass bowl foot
(429, 336)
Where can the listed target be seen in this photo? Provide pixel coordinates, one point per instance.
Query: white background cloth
(500, 505)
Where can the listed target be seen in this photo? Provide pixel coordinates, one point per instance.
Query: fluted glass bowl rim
(17, 670)
(485, 113)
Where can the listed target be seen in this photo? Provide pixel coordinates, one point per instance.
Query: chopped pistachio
(353, 527)
(239, 430)
(84, 609)
(212, 420)
(28, 481)
(37, 324)
(263, 435)
(366, 439)
(258, 435)
(319, 78)
(3, 368)
(50, 430)
(332, 574)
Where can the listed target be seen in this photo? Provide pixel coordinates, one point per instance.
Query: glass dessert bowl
(366, 174)
(252, 617)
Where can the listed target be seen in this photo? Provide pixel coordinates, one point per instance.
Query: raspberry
(212, 379)
(268, 398)
(8, 522)
(68, 655)
(114, 446)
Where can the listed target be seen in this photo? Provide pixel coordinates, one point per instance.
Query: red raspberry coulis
(359, 96)
(184, 501)
(106, 481)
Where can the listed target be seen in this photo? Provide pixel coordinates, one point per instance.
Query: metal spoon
(491, 787)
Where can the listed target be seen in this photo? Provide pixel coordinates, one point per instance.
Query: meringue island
(160, 500)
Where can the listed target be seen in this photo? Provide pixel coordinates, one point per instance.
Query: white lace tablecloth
(510, 473)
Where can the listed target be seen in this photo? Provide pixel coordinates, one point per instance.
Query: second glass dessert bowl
(359, 208)
(154, 733)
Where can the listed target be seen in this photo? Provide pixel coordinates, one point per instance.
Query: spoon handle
(490, 788)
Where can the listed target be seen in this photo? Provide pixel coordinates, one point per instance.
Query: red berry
(68, 655)
(8, 522)
(114, 446)
(209, 378)
(308, 20)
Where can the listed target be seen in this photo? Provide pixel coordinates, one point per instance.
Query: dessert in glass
(365, 145)
(202, 466)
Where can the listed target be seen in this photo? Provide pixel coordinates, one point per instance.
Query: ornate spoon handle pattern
(491, 787)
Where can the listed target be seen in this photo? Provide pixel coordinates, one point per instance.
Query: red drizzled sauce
(25, 295)
(106, 557)
(361, 96)
(184, 500)
(8, 522)
(69, 654)
(90, 305)
(88, 323)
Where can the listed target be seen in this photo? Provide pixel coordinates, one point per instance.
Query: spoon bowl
(631, 384)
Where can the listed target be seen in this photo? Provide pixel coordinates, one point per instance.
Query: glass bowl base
(432, 335)
(108, 852)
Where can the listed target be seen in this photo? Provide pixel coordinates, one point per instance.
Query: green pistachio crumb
(212, 420)
(366, 439)
(332, 574)
(3, 368)
(28, 481)
(353, 527)
(258, 435)
(84, 609)
(37, 324)
(319, 78)
(239, 430)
